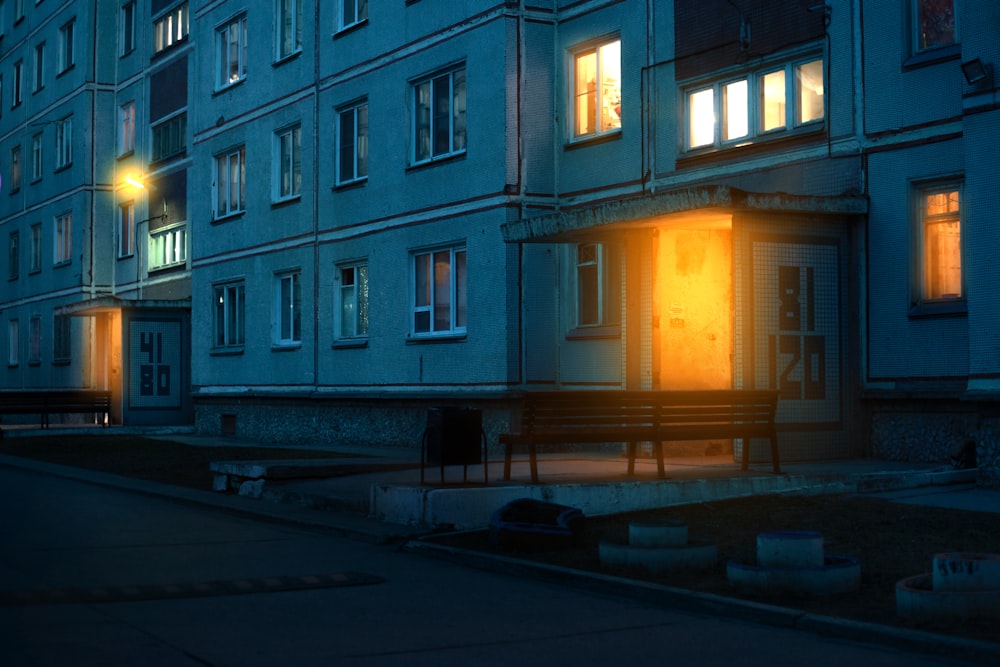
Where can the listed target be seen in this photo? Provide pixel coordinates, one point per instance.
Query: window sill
(286, 347)
(62, 167)
(66, 361)
(350, 343)
(229, 86)
(226, 351)
(285, 201)
(933, 56)
(128, 153)
(66, 71)
(598, 332)
(349, 185)
(761, 145)
(349, 28)
(596, 140)
(436, 338)
(281, 60)
(434, 161)
(64, 263)
(956, 308)
(228, 216)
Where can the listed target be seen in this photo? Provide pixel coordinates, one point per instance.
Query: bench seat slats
(57, 401)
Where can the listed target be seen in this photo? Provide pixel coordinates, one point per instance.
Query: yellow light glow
(135, 182)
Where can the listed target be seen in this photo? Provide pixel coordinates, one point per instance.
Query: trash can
(454, 436)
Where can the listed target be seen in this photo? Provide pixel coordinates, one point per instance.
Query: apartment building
(330, 216)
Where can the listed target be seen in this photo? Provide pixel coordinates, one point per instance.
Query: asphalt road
(94, 575)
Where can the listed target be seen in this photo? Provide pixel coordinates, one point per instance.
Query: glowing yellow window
(735, 107)
(701, 117)
(597, 90)
(809, 91)
(772, 101)
(942, 260)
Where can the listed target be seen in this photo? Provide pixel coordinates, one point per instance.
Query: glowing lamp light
(135, 182)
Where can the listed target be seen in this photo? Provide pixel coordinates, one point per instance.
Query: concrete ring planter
(916, 599)
(837, 574)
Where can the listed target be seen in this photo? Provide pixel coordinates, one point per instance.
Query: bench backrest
(66, 399)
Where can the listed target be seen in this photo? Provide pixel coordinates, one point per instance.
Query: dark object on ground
(574, 417)
(44, 403)
(963, 456)
(534, 524)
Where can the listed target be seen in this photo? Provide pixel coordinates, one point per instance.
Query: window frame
(916, 39)
(171, 28)
(126, 32)
(126, 128)
(293, 10)
(607, 297)
(38, 63)
(168, 137)
(18, 88)
(224, 73)
(288, 309)
(35, 256)
(357, 294)
(36, 157)
(289, 164)
(226, 158)
(63, 239)
(921, 302)
(457, 133)
(358, 146)
(16, 168)
(229, 302)
(13, 343)
(457, 293)
(67, 47)
(754, 119)
(64, 142)
(126, 229)
(13, 255)
(62, 339)
(358, 8)
(34, 340)
(593, 47)
(166, 247)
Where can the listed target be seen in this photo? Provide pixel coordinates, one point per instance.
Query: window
(736, 111)
(66, 56)
(439, 295)
(39, 80)
(352, 143)
(352, 12)
(64, 238)
(34, 339)
(933, 24)
(288, 307)
(35, 263)
(230, 183)
(352, 308)
(941, 241)
(169, 137)
(36, 157)
(3, 17)
(13, 255)
(232, 53)
(15, 169)
(18, 11)
(13, 343)
(126, 128)
(61, 338)
(439, 116)
(127, 28)
(126, 229)
(229, 312)
(289, 26)
(170, 28)
(18, 83)
(64, 143)
(597, 298)
(167, 247)
(288, 165)
(597, 90)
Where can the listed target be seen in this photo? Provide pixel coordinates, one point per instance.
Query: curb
(718, 605)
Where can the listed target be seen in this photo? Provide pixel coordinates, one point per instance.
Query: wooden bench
(608, 416)
(56, 401)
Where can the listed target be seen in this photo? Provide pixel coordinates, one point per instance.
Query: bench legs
(775, 462)
(657, 451)
(533, 457)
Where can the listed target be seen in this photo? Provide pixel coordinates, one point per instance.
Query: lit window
(232, 53)
(170, 28)
(66, 56)
(439, 280)
(288, 172)
(439, 116)
(64, 238)
(127, 29)
(352, 12)
(942, 244)
(64, 143)
(229, 327)
(61, 338)
(126, 128)
(167, 247)
(933, 23)
(169, 137)
(352, 143)
(126, 229)
(34, 339)
(13, 343)
(352, 311)
(597, 90)
(13, 255)
(35, 263)
(289, 26)
(288, 304)
(230, 183)
(736, 111)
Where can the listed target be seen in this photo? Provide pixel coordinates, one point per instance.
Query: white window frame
(62, 338)
(167, 247)
(126, 32)
(35, 258)
(590, 272)
(67, 34)
(351, 308)
(13, 256)
(34, 340)
(917, 37)
(38, 59)
(64, 142)
(171, 27)
(352, 143)
(754, 120)
(288, 163)
(13, 343)
(63, 239)
(126, 128)
(169, 137)
(229, 316)
(425, 306)
(288, 309)
(922, 261)
(15, 168)
(351, 13)
(126, 229)
(231, 52)
(288, 28)
(18, 84)
(602, 119)
(451, 126)
(36, 157)
(228, 165)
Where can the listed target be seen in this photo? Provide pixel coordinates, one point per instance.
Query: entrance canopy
(695, 207)
(113, 304)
